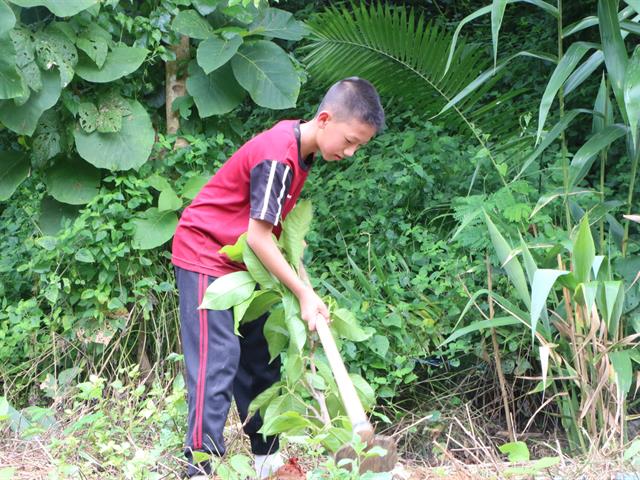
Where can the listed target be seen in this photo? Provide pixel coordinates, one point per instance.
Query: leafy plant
(306, 399)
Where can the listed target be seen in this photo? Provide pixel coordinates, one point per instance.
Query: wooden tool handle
(352, 404)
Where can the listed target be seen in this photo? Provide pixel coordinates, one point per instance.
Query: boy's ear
(323, 118)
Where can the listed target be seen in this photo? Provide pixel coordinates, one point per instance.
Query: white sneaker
(267, 465)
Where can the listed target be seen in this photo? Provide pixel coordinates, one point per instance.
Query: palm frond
(402, 54)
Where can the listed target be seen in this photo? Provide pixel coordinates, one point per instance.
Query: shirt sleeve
(270, 183)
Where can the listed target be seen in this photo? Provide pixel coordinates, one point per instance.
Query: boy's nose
(348, 152)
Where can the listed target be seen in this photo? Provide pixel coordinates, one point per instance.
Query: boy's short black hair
(354, 97)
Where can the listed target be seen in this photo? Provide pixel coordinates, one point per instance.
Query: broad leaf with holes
(14, 168)
(128, 148)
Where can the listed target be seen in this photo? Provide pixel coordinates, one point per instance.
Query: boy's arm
(260, 240)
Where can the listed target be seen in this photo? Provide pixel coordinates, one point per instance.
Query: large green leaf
(543, 280)
(215, 94)
(610, 302)
(583, 72)
(512, 265)
(497, 13)
(153, 228)
(120, 61)
(14, 168)
(586, 155)
(7, 18)
(128, 148)
(53, 215)
(228, 290)
(259, 304)
(345, 324)
(257, 270)
(565, 66)
(615, 52)
(295, 324)
(294, 229)
(94, 41)
(547, 198)
(480, 325)
(191, 24)
(632, 94)
(276, 333)
(235, 251)
(602, 108)
(277, 23)
(10, 81)
(621, 362)
(54, 48)
(23, 119)
(215, 52)
(266, 72)
(72, 181)
(60, 8)
(584, 252)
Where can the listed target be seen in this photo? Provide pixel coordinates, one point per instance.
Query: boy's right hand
(311, 305)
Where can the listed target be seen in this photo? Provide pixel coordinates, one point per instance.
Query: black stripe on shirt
(270, 183)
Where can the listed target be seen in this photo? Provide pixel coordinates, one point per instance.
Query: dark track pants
(220, 364)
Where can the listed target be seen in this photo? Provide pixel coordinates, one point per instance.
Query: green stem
(563, 140)
(632, 183)
(603, 163)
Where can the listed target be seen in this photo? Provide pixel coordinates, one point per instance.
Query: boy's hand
(311, 305)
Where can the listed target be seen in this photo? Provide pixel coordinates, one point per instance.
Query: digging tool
(359, 421)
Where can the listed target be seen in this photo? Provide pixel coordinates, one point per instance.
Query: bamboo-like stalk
(498, 360)
(632, 182)
(603, 164)
(563, 139)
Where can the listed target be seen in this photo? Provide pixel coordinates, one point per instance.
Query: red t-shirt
(262, 180)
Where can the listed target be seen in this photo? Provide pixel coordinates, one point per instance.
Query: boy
(253, 192)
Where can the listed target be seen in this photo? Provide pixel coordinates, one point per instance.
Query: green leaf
(7, 473)
(169, 201)
(364, 390)
(584, 252)
(120, 61)
(615, 52)
(294, 368)
(263, 399)
(235, 251)
(565, 66)
(7, 18)
(543, 280)
(259, 304)
(10, 80)
(72, 181)
(153, 228)
(621, 362)
(512, 265)
(60, 8)
(214, 94)
(276, 23)
(205, 7)
(54, 48)
(585, 156)
(191, 24)
(295, 325)
(23, 119)
(602, 108)
(266, 72)
(242, 464)
(94, 41)
(257, 270)
(193, 186)
(294, 229)
(344, 323)
(84, 255)
(631, 89)
(290, 422)
(276, 333)
(123, 150)
(517, 451)
(547, 198)
(480, 325)
(610, 302)
(215, 52)
(497, 13)
(583, 72)
(14, 169)
(549, 138)
(53, 215)
(379, 344)
(228, 290)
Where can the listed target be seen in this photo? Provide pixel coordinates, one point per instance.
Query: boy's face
(337, 139)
